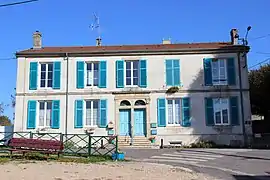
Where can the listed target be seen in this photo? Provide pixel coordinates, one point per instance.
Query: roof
(129, 48)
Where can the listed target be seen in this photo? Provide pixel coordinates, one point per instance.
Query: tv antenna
(96, 26)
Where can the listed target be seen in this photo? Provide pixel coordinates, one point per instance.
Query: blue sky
(66, 23)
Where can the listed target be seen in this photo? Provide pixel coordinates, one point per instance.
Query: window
(45, 113)
(92, 112)
(132, 73)
(140, 103)
(92, 74)
(219, 72)
(46, 75)
(125, 103)
(221, 111)
(173, 111)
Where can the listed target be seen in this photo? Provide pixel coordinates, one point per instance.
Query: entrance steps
(138, 142)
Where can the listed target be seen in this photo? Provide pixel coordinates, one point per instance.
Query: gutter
(241, 99)
(66, 57)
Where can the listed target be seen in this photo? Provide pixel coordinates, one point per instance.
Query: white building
(85, 88)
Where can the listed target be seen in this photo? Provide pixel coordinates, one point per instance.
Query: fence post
(31, 135)
(61, 137)
(89, 145)
(116, 144)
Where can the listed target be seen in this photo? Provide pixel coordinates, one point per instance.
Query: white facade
(192, 86)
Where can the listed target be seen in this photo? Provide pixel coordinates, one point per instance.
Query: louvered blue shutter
(56, 75)
(103, 113)
(186, 112)
(120, 74)
(78, 119)
(169, 72)
(207, 72)
(80, 74)
(161, 112)
(55, 114)
(231, 71)
(143, 74)
(33, 75)
(102, 74)
(234, 112)
(176, 72)
(31, 115)
(209, 112)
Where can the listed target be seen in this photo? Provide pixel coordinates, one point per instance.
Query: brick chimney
(37, 40)
(234, 36)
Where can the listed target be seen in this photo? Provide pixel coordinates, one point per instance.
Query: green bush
(203, 144)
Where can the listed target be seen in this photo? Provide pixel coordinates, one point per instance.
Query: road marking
(199, 154)
(177, 158)
(188, 156)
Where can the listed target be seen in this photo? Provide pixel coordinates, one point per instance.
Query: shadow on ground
(240, 177)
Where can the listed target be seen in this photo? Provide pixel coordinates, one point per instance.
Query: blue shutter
(231, 71)
(209, 112)
(161, 112)
(143, 74)
(186, 112)
(55, 114)
(234, 111)
(103, 113)
(33, 75)
(31, 115)
(78, 123)
(80, 74)
(169, 72)
(207, 72)
(120, 74)
(56, 75)
(102, 74)
(176, 73)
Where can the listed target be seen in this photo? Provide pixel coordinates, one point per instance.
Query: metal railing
(74, 144)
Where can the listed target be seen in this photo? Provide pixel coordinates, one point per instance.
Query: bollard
(161, 144)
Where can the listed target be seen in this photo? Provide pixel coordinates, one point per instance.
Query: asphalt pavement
(229, 164)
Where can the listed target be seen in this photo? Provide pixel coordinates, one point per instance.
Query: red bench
(24, 145)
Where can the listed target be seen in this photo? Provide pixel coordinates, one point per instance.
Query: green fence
(74, 144)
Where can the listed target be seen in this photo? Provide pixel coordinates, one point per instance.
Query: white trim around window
(91, 76)
(221, 111)
(47, 85)
(132, 77)
(44, 114)
(173, 111)
(91, 111)
(219, 72)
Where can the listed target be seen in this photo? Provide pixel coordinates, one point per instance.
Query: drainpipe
(241, 99)
(66, 123)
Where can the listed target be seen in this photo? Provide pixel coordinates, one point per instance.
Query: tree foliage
(4, 121)
(259, 81)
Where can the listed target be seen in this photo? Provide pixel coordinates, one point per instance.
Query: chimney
(98, 41)
(166, 41)
(234, 36)
(37, 40)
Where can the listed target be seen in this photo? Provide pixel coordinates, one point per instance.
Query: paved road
(229, 164)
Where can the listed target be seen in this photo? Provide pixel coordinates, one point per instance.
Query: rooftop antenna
(96, 26)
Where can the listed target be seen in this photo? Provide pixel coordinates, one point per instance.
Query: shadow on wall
(202, 128)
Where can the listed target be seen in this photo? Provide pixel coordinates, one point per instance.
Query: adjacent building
(174, 92)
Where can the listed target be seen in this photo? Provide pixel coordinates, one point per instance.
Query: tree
(259, 81)
(13, 103)
(4, 121)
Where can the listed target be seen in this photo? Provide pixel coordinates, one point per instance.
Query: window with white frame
(131, 73)
(173, 111)
(219, 72)
(46, 75)
(221, 111)
(92, 112)
(92, 73)
(45, 113)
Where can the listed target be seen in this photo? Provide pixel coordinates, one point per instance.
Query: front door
(139, 122)
(125, 122)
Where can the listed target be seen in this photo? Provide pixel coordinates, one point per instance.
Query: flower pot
(118, 156)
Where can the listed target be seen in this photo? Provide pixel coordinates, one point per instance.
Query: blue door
(124, 122)
(139, 122)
